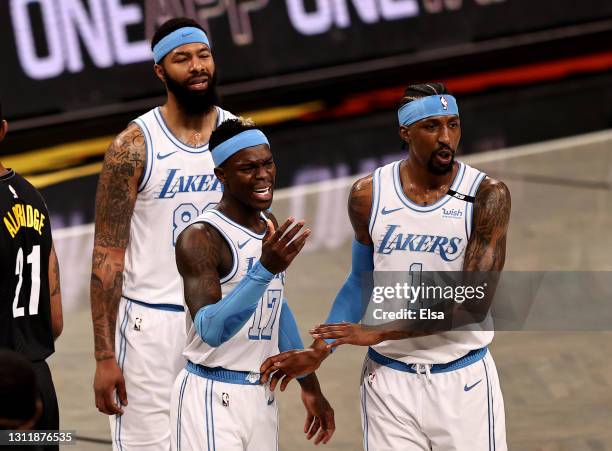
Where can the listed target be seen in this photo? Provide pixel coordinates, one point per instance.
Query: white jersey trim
(238, 226)
(439, 203)
(469, 210)
(177, 142)
(375, 199)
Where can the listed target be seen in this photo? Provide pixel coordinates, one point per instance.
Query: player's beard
(436, 169)
(194, 102)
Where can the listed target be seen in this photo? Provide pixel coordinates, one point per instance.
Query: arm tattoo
(359, 206)
(486, 249)
(115, 199)
(198, 256)
(54, 276)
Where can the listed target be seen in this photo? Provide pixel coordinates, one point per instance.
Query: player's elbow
(57, 326)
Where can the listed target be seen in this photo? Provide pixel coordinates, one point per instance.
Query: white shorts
(220, 411)
(149, 342)
(459, 409)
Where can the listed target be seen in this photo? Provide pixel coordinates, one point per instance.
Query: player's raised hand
(108, 381)
(346, 333)
(281, 246)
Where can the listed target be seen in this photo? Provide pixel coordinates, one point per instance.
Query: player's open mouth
(263, 193)
(199, 83)
(444, 156)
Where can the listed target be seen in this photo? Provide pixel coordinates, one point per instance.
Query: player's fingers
(309, 419)
(110, 406)
(282, 229)
(329, 425)
(321, 436)
(122, 393)
(332, 334)
(269, 230)
(276, 377)
(297, 245)
(101, 403)
(285, 382)
(291, 233)
(270, 361)
(316, 424)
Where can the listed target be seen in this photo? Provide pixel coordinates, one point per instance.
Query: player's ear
(404, 133)
(220, 173)
(160, 72)
(3, 129)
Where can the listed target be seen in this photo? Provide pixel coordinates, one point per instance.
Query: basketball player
(31, 316)
(421, 390)
(232, 260)
(157, 177)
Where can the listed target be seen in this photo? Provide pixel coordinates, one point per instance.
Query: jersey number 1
(34, 260)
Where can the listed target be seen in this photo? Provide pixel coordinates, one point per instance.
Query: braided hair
(414, 92)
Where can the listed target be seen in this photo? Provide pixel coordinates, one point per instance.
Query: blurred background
(324, 78)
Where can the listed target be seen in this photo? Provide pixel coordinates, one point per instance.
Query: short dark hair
(227, 130)
(171, 25)
(418, 91)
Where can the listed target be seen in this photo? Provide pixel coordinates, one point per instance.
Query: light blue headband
(185, 35)
(226, 149)
(438, 105)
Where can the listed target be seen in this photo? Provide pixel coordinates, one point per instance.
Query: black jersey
(25, 245)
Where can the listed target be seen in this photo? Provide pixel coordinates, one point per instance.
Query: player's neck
(421, 176)
(182, 122)
(242, 214)
(3, 170)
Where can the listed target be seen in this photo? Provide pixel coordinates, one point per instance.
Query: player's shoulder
(198, 237)
(129, 140)
(492, 190)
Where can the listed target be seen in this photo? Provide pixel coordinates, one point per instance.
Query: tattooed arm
(115, 199)
(200, 251)
(486, 249)
(57, 322)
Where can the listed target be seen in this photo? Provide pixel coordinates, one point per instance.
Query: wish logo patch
(452, 213)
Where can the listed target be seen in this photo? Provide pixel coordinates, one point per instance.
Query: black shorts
(49, 420)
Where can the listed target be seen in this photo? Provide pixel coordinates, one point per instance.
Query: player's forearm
(55, 294)
(219, 322)
(106, 287)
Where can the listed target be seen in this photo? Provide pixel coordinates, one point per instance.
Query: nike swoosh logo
(186, 34)
(468, 388)
(161, 157)
(240, 246)
(386, 212)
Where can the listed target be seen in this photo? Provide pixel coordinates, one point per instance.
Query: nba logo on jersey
(225, 399)
(137, 324)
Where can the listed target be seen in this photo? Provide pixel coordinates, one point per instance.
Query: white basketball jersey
(410, 237)
(178, 183)
(258, 338)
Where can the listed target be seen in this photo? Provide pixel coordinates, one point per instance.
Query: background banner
(67, 55)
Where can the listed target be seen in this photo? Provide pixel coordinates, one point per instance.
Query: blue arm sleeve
(289, 335)
(219, 322)
(348, 305)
